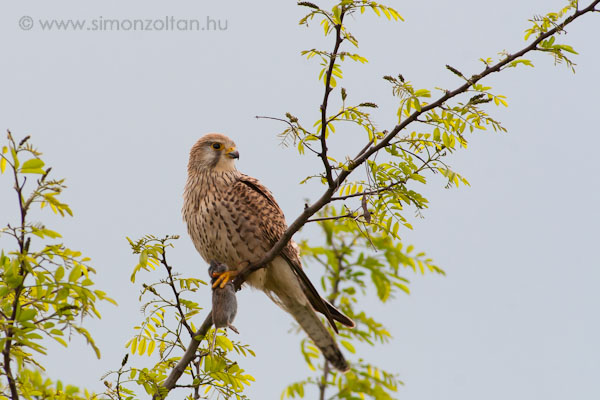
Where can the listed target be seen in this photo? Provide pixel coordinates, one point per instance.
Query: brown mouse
(224, 302)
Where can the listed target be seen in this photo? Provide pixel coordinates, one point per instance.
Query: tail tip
(342, 366)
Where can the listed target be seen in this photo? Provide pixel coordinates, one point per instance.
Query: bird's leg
(223, 278)
(245, 270)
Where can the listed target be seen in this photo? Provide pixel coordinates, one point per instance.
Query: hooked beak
(233, 153)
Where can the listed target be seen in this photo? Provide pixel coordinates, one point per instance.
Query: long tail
(285, 289)
(318, 303)
(314, 328)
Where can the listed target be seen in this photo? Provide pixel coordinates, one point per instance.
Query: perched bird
(234, 219)
(224, 303)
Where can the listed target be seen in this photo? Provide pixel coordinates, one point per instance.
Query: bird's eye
(216, 146)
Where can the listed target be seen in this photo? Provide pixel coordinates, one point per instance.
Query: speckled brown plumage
(233, 219)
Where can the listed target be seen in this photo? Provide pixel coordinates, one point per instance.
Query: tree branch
(364, 154)
(184, 322)
(349, 215)
(360, 158)
(185, 360)
(23, 247)
(391, 185)
(328, 89)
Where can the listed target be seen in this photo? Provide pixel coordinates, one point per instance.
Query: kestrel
(233, 219)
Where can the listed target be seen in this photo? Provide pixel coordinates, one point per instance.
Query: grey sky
(116, 113)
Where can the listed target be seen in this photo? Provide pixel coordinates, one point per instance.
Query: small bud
(46, 174)
(308, 4)
(368, 104)
(455, 71)
(125, 360)
(26, 138)
(291, 117)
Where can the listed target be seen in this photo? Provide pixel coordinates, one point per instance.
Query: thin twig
(187, 357)
(349, 215)
(425, 165)
(171, 283)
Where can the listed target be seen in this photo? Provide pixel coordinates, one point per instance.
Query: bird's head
(213, 152)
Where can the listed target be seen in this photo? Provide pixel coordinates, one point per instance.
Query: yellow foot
(223, 278)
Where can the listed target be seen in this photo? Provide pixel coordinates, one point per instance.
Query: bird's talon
(223, 279)
(220, 278)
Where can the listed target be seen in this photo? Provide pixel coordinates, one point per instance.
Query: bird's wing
(272, 225)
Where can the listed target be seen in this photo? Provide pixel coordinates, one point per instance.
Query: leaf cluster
(46, 288)
(168, 309)
(356, 264)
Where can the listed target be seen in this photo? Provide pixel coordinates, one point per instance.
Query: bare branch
(186, 359)
(349, 215)
(171, 283)
(328, 89)
(275, 119)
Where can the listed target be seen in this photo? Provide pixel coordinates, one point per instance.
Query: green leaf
(134, 345)
(33, 163)
(16, 161)
(446, 139)
(423, 93)
(151, 347)
(33, 166)
(224, 343)
(51, 233)
(567, 48)
(59, 273)
(348, 346)
(75, 273)
(336, 14)
(27, 314)
(521, 61)
(33, 171)
(142, 346)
